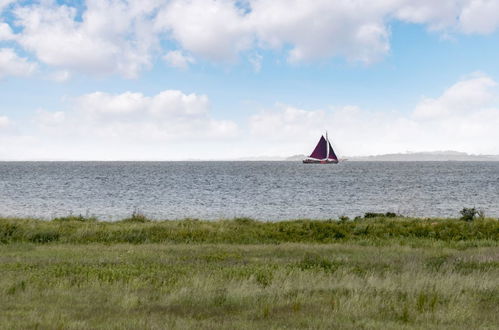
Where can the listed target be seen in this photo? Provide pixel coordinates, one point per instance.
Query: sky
(227, 79)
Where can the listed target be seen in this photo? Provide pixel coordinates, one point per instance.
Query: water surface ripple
(261, 190)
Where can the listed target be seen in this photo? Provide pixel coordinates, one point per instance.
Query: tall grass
(374, 273)
(228, 286)
(138, 229)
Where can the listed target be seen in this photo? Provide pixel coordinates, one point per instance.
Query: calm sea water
(261, 190)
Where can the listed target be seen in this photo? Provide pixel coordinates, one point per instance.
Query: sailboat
(322, 154)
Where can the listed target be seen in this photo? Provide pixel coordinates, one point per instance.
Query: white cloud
(13, 65)
(460, 99)
(112, 37)
(467, 16)
(216, 30)
(437, 14)
(167, 104)
(480, 16)
(177, 59)
(464, 118)
(169, 115)
(169, 125)
(6, 33)
(175, 125)
(5, 3)
(322, 29)
(220, 30)
(357, 30)
(125, 36)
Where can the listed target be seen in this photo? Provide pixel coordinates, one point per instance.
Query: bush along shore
(138, 229)
(380, 271)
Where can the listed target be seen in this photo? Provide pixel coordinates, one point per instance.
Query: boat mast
(327, 147)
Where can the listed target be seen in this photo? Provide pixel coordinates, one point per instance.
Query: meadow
(371, 272)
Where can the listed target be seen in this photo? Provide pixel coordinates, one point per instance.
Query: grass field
(386, 273)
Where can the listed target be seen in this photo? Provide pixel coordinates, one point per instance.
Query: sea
(269, 191)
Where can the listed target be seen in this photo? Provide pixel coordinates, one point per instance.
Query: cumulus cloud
(480, 16)
(6, 33)
(169, 125)
(5, 3)
(437, 14)
(179, 60)
(464, 118)
(467, 16)
(321, 29)
(216, 30)
(13, 65)
(220, 30)
(462, 98)
(168, 116)
(111, 37)
(176, 125)
(125, 36)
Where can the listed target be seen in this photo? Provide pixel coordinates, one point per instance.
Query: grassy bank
(386, 273)
(138, 230)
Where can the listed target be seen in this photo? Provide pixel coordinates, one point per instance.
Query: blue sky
(155, 80)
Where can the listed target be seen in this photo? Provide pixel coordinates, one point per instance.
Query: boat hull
(320, 161)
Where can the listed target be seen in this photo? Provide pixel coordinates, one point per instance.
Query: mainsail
(323, 150)
(320, 151)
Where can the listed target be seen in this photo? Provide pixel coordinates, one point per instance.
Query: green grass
(386, 273)
(138, 229)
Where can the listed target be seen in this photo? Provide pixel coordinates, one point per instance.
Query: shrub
(380, 215)
(373, 215)
(344, 219)
(469, 214)
(137, 216)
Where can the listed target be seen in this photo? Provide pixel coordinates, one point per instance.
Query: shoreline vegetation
(379, 271)
(137, 229)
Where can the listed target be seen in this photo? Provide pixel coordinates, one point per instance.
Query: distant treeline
(138, 229)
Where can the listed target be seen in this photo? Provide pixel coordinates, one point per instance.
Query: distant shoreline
(425, 156)
(356, 160)
(428, 156)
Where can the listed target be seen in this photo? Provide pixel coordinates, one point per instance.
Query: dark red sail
(332, 155)
(320, 151)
